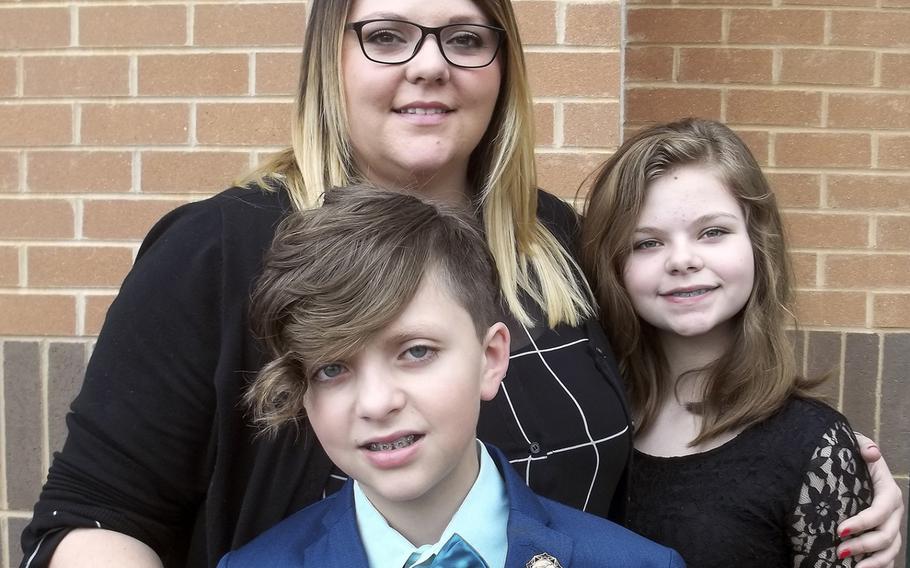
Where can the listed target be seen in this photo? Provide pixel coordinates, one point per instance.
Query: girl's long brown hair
(758, 373)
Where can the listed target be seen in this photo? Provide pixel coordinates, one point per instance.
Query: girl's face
(420, 119)
(691, 269)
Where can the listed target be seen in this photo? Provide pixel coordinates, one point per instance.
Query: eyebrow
(457, 19)
(703, 220)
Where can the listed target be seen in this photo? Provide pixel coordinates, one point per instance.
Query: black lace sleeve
(836, 485)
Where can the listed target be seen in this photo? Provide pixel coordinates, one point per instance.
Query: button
(535, 448)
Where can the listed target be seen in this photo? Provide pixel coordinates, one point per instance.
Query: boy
(380, 313)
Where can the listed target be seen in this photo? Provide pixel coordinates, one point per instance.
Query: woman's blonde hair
(755, 376)
(529, 259)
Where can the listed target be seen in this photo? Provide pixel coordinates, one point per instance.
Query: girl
(734, 461)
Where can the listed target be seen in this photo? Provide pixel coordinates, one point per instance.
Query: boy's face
(400, 416)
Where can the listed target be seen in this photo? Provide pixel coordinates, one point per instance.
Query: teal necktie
(455, 553)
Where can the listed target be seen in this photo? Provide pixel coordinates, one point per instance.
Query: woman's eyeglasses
(397, 41)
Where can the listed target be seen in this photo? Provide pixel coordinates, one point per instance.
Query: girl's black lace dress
(772, 496)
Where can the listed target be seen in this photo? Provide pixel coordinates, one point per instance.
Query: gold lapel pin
(543, 560)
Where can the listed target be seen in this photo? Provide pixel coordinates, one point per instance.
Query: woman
(159, 450)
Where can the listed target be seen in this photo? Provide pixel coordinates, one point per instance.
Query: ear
(496, 360)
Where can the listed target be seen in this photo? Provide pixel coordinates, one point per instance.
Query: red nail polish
(845, 553)
(845, 533)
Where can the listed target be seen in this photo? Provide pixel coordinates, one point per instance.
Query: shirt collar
(482, 520)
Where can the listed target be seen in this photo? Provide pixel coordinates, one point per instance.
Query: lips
(689, 291)
(423, 108)
(390, 443)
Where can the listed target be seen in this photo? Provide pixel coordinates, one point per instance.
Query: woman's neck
(445, 186)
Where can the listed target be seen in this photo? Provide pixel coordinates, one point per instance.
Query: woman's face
(417, 121)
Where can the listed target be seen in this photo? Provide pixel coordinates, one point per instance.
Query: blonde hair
(529, 259)
(758, 373)
(337, 275)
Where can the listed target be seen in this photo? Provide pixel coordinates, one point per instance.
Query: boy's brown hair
(336, 275)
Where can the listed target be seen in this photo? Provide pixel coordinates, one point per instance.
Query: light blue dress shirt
(482, 520)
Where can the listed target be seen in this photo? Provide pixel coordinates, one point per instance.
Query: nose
(428, 64)
(683, 258)
(378, 394)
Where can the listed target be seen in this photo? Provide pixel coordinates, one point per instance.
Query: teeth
(413, 110)
(691, 293)
(402, 442)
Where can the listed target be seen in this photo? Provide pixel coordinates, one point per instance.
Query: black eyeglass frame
(424, 32)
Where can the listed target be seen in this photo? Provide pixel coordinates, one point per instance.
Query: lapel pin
(543, 560)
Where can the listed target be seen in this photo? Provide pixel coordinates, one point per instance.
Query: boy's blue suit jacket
(325, 534)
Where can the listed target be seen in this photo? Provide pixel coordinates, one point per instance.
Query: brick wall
(113, 113)
(820, 89)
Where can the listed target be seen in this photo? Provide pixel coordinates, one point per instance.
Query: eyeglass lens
(467, 45)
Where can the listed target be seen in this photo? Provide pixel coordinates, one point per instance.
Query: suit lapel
(340, 543)
(529, 522)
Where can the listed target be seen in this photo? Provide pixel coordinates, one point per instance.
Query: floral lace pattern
(832, 491)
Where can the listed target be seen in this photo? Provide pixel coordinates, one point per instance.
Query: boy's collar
(481, 520)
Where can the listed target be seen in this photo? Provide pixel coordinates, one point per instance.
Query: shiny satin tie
(455, 553)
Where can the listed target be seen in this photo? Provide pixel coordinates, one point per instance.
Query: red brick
(191, 172)
(249, 24)
(79, 172)
(758, 142)
(277, 73)
(132, 26)
(822, 150)
(244, 124)
(536, 22)
(9, 267)
(564, 173)
(869, 110)
(888, 193)
(37, 314)
(649, 63)
(891, 310)
(805, 269)
(670, 25)
(9, 171)
(194, 74)
(783, 108)
(36, 125)
(870, 28)
(543, 124)
(25, 28)
(835, 309)
(894, 152)
(795, 190)
(867, 271)
(893, 233)
(574, 74)
(128, 124)
(827, 67)
(67, 267)
(831, 2)
(896, 70)
(710, 65)
(662, 105)
(8, 81)
(35, 219)
(123, 219)
(593, 24)
(815, 230)
(777, 26)
(96, 307)
(591, 124)
(76, 76)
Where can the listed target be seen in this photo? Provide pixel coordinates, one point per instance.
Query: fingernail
(844, 553)
(845, 533)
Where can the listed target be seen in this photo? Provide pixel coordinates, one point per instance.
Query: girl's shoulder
(805, 425)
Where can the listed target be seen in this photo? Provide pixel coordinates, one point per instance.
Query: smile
(690, 293)
(413, 110)
(402, 442)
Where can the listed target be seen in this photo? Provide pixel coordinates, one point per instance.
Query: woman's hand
(878, 527)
